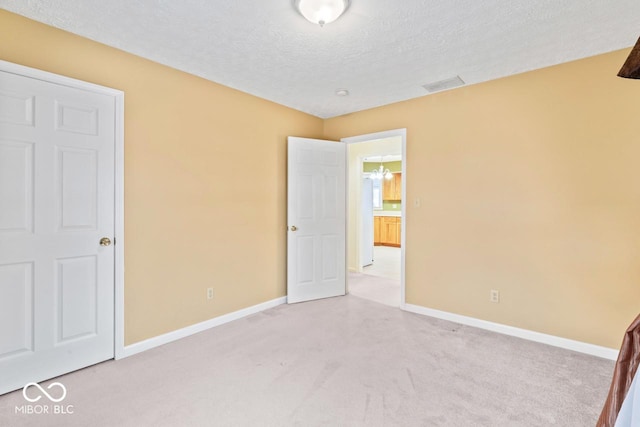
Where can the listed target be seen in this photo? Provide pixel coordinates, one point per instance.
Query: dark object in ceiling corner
(631, 67)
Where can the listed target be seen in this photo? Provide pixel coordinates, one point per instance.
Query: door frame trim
(118, 97)
(402, 133)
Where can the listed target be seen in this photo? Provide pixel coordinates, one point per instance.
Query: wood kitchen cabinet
(392, 188)
(387, 230)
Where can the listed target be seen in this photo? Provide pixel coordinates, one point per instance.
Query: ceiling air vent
(444, 84)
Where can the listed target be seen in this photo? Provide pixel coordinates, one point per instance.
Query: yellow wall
(529, 185)
(205, 180)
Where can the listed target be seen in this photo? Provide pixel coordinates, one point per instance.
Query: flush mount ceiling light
(631, 67)
(321, 12)
(342, 92)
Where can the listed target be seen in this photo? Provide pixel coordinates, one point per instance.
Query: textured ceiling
(381, 51)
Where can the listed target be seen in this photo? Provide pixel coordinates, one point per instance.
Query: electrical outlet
(209, 293)
(417, 202)
(495, 296)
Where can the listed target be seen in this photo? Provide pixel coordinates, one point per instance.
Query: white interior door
(57, 147)
(316, 216)
(366, 232)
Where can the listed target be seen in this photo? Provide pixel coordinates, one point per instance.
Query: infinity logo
(51, 398)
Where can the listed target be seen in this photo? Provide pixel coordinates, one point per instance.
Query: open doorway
(376, 213)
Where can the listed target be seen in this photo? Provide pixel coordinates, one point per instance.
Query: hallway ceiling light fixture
(631, 67)
(381, 172)
(321, 12)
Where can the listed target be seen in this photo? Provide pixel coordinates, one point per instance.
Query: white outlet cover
(495, 296)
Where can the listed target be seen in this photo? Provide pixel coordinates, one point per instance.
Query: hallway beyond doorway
(380, 281)
(386, 263)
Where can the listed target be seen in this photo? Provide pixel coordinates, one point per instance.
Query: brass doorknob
(294, 228)
(105, 241)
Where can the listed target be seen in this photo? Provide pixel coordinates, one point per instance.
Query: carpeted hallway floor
(375, 288)
(342, 361)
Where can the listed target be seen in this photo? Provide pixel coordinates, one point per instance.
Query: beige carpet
(375, 288)
(338, 362)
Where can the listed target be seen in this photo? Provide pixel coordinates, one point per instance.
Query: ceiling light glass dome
(321, 12)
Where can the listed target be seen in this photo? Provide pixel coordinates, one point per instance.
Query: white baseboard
(581, 347)
(150, 343)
